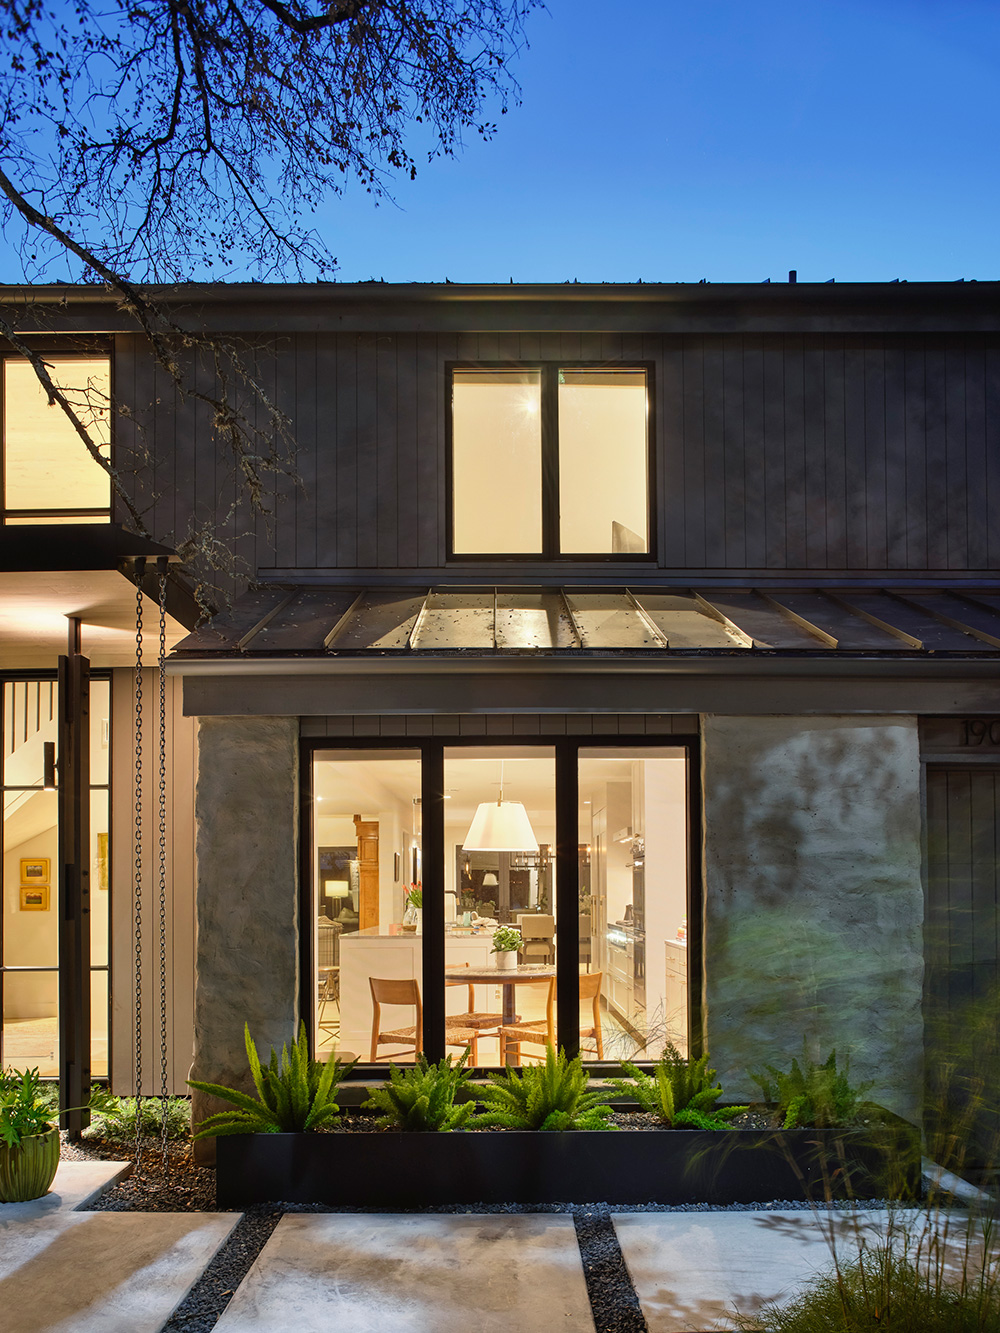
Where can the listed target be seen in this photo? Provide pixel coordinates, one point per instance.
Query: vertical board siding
(963, 891)
(798, 452)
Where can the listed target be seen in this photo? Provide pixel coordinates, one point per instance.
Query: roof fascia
(925, 307)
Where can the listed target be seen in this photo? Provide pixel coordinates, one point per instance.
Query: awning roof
(573, 622)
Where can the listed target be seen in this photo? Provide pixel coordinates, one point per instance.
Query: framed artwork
(35, 898)
(102, 861)
(35, 870)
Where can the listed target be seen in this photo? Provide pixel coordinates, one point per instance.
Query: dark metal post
(74, 886)
(432, 944)
(567, 897)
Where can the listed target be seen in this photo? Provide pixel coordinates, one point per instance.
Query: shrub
(295, 1093)
(881, 1289)
(114, 1117)
(25, 1108)
(812, 1094)
(679, 1091)
(422, 1097)
(549, 1096)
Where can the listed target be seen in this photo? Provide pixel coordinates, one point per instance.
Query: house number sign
(979, 731)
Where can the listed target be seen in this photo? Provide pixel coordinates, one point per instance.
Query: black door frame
(566, 750)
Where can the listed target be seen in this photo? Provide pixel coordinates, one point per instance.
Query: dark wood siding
(774, 452)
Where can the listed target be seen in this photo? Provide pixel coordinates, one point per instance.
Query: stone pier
(247, 943)
(813, 898)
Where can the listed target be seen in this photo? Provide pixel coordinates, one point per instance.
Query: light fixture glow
(500, 826)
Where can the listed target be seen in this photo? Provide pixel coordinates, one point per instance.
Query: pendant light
(500, 826)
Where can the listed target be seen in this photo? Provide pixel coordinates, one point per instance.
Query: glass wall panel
(500, 870)
(30, 879)
(99, 1024)
(633, 901)
(100, 731)
(603, 463)
(46, 465)
(366, 861)
(31, 1022)
(99, 878)
(496, 462)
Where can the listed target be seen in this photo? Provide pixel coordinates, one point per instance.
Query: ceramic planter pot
(506, 960)
(27, 1171)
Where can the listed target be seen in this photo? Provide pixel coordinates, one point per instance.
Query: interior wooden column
(367, 835)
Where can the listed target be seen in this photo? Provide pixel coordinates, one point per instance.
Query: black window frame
(567, 760)
(39, 513)
(549, 376)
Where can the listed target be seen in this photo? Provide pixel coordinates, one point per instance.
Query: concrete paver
(77, 1272)
(690, 1270)
(415, 1274)
(77, 1185)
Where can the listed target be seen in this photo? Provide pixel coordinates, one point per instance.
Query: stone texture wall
(813, 897)
(247, 950)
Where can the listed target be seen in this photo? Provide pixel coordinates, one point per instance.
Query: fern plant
(819, 1095)
(422, 1097)
(294, 1093)
(679, 1091)
(549, 1096)
(25, 1111)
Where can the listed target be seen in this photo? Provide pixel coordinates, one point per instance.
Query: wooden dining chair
(540, 1031)
(406, 991)
(483, 1021)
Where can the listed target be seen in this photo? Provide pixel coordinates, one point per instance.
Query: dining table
(507, 977)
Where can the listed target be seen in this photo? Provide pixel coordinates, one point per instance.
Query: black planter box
(395, 1170)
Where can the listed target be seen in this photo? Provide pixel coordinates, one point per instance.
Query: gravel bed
(613, 1299)
(205, 1302)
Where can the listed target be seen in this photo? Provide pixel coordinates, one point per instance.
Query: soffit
(34, 626)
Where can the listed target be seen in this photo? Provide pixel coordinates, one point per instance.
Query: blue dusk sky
(718, 139)
(730, 140)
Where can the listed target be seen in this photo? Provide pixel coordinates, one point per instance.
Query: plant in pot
(29, 1141)
(506, 943)
(413, 908)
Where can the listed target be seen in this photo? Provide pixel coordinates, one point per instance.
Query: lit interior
(633, 894)
(602, 462)
(46, 464)
(497, 462)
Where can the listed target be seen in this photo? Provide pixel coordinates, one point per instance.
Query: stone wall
(247, 951)
(813, 897)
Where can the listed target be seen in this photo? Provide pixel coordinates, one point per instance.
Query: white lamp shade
(336, 888)
(500, 826)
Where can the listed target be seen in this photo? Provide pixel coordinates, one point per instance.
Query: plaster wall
(246, 958)
(813, 898)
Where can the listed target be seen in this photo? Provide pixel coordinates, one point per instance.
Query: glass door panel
(499, 840)
(366, 856)
(633, 901)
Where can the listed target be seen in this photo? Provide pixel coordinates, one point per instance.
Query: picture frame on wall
(34, 870)
(34, 898)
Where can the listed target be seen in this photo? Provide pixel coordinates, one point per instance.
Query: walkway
(66, 1270)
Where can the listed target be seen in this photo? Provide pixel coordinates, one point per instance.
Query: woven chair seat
(474, 1020)
(537, 1028)
(453, 1035)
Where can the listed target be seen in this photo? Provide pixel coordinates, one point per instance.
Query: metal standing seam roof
(337, 621)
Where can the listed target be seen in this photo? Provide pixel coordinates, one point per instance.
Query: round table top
(504, 976)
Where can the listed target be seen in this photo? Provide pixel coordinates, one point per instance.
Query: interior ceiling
(469, 778)
(34, 611)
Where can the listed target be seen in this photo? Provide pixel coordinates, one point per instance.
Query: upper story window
(550, 460)
(48, 474)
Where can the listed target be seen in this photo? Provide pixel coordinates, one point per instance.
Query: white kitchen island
(376, 953)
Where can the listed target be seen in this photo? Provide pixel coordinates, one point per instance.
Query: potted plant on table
(506, 943)
(29, 1141)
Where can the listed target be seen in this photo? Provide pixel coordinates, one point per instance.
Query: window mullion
(432, 940)
(568, 896)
